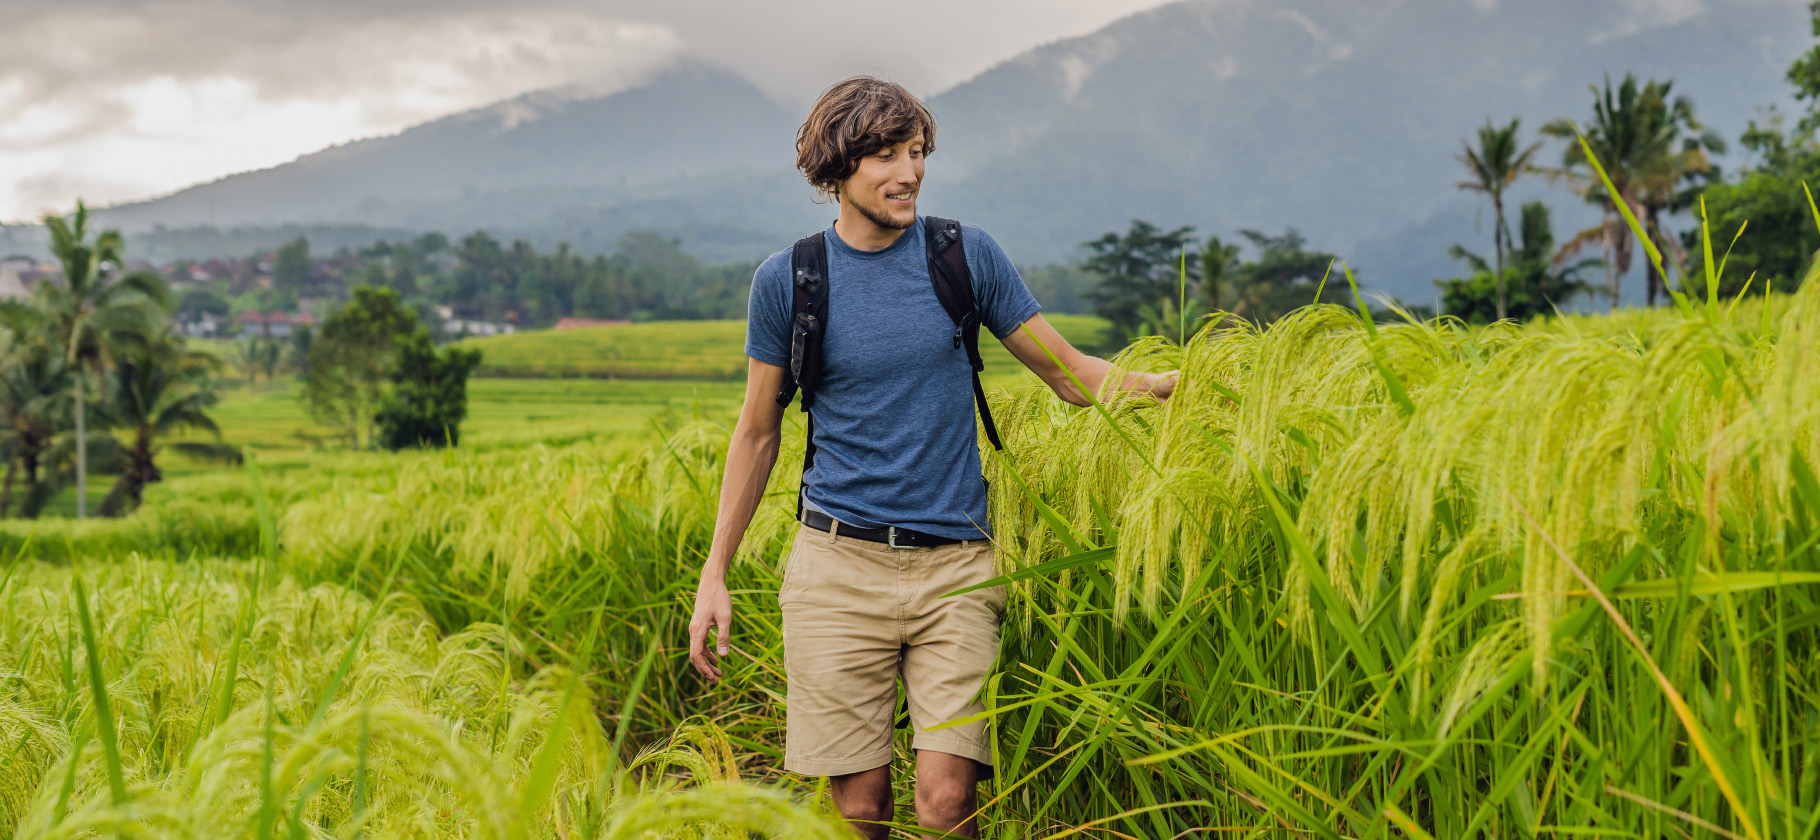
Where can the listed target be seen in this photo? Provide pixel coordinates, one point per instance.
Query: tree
(429, 396)
(291, 266)
(1771, 195)
(255, 356)
(34, 400)
(352, 359)
(1534, 283)
(95, 304)
(1218, 261)
(193, 304)
(1493, 167)
(1804, 74)
(1286, 275)
(157, 388)
(1647, 146)
(1142, 268)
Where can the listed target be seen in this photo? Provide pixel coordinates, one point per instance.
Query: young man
(894, 508)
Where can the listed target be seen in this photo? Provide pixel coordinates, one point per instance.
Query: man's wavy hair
(855, 118)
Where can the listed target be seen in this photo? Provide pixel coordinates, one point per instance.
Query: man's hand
(713, 610)
(1159, 385)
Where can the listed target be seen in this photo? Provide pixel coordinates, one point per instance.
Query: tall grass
(1297, 599)
(1353, 580)
(344, 717)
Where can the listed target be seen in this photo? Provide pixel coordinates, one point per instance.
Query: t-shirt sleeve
(1004, 301)
(768, 312)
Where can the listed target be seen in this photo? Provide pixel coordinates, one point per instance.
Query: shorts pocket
(794, 559)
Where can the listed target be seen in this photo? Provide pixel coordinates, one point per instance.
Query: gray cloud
(78, 103)
(95, 94)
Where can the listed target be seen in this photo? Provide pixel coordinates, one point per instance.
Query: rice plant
(1352, 580)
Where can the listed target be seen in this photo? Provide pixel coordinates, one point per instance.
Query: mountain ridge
(1339, 118)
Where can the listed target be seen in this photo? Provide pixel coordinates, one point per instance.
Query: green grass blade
(97, 682)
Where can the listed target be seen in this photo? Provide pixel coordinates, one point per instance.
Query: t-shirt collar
(845, 250)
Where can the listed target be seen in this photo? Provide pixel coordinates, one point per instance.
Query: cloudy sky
(117, 101)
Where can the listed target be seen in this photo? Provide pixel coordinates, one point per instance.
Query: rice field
(1354, 581)
(701, 350)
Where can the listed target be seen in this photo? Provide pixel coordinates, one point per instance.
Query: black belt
(890, 535)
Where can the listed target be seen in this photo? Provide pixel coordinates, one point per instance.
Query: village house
(453, 327)
(272, 324)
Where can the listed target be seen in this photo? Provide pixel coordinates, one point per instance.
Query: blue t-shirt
(895, 437)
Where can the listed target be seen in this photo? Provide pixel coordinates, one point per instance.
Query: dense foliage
(429, 394)
(87, 355)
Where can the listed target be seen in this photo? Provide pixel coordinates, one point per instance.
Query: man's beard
(885, 222)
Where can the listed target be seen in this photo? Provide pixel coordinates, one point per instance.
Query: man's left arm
(1047, 354)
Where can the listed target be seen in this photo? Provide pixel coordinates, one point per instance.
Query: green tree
(1804, 74)
(195, 303)
(1218, 261)
(95, 304)
(1781, 241)
(1142, 268)
(1648, 145)
(1493, 167)
(34, 402)
(352, 360)
(1533, 283)
(429, 395)
(1285, 275)
(291, 266)
(158, 387)
(257, 355)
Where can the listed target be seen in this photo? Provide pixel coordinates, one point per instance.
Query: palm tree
(1494, 165)
(34, 392)
(1638, 136)
(1673, 177)
(96, 302)
(157, 388)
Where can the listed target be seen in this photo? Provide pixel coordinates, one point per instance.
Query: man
(896, 464)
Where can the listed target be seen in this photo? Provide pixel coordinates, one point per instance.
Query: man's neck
(861, 234)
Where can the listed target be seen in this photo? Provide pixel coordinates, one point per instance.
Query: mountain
(1339, 117)
(686, 120)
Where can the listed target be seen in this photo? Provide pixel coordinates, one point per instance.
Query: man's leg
(864, 798)
(945, 787)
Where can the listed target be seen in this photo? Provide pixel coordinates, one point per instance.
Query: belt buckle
(891, 537)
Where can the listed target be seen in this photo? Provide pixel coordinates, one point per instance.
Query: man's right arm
(750, 457)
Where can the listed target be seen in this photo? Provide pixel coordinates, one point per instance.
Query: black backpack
(953, 283)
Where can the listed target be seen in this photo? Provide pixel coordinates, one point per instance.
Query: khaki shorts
(858, 615)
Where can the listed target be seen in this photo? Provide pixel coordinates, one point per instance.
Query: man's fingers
(724, 623)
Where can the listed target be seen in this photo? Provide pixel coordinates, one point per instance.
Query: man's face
(883, 189)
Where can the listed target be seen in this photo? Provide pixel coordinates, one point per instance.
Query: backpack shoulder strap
(953, 282)
(808, 316)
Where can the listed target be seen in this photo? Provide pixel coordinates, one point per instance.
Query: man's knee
(949, 800)
(866, 809)
(864, 796)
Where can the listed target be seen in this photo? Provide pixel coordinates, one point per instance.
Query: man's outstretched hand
(713, 611)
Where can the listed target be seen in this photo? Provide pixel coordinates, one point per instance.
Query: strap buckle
(891, 537)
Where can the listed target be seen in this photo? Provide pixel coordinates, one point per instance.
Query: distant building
(462, 328)
(574, 323)
(203, 325)
(272, 324)
(454, 327)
